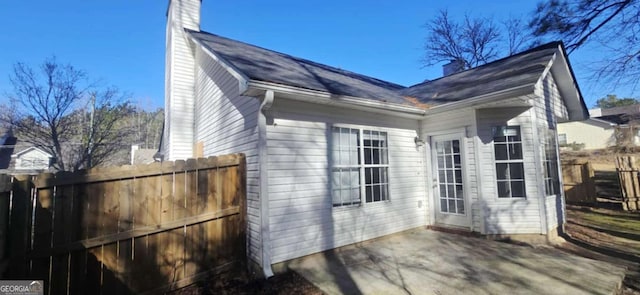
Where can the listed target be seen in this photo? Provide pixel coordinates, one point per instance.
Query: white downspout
(264, 183)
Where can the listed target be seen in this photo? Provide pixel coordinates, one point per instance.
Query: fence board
(191, 207)
(628, 172)
(62, 207)
(20, 230)
(5, 202)
(578, 182)
(125, 223)
(132, 229)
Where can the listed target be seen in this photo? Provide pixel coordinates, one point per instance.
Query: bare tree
(47, 112)
(613, 25)
(517, 34)
(147, 127)
(474, 41)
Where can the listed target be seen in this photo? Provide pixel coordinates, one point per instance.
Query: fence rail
(130, 229)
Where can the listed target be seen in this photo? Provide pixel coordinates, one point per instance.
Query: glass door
(448, 180)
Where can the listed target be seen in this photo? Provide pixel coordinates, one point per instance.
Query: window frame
(550, 175)
(362, 167)
(32, 161)
(564, 139)
(510, 144)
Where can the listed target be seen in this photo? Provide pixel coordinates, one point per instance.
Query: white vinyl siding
(549, 106)
(302, 217)
(592, 134)
(178, 137)
(32, 159)
(455, 122)
(550, 109)
(226, 123)
(508, 215)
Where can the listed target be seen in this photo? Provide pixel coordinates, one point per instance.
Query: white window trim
(20, 163)
(496, 161)
(565, 138)
(544, 144)
(363, 197)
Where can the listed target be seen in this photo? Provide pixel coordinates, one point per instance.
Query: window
(507, 144)
(562, 139)
(32, 163)
(360, 166)
(346, 166)
(550, 161)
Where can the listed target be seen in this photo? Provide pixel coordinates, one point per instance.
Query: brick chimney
(179, 79)
(454, 66)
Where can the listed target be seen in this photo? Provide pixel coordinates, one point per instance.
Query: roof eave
(480, 100)
(569, 88)
(243, 80)
(31, 149)
(255, 87)
(612, 124)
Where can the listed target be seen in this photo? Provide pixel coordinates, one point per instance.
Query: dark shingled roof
(269, 66)
(523, 69)
(620, 119)
(517, 70)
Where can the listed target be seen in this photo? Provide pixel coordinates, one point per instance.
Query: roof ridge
(537, 48)
(304, 60)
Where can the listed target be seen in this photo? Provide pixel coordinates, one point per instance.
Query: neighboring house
(142, 156)
(593, 133)
(18, 157)
(335, 157)
(598, 132)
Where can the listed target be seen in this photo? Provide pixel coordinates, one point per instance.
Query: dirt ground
(284, 284)
(606, 235)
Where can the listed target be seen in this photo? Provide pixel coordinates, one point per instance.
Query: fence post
(591, 184)
(5, 201)
(242, 192)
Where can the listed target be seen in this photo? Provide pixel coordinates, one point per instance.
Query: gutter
(482, 99)
(321, 97)
(265, 238)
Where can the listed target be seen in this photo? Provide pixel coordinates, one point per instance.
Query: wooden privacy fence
(578, 182)
(628, 169)
(130, 229)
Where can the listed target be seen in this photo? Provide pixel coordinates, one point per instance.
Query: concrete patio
(423, 261)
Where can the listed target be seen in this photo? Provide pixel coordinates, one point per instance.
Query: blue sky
(121, 42)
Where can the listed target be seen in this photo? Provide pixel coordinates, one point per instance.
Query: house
(141, 156)
(590, 134)
(19, 157)
(599, 131)
(335, 157)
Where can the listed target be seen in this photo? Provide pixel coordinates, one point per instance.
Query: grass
(608, 235)
(606, 219)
